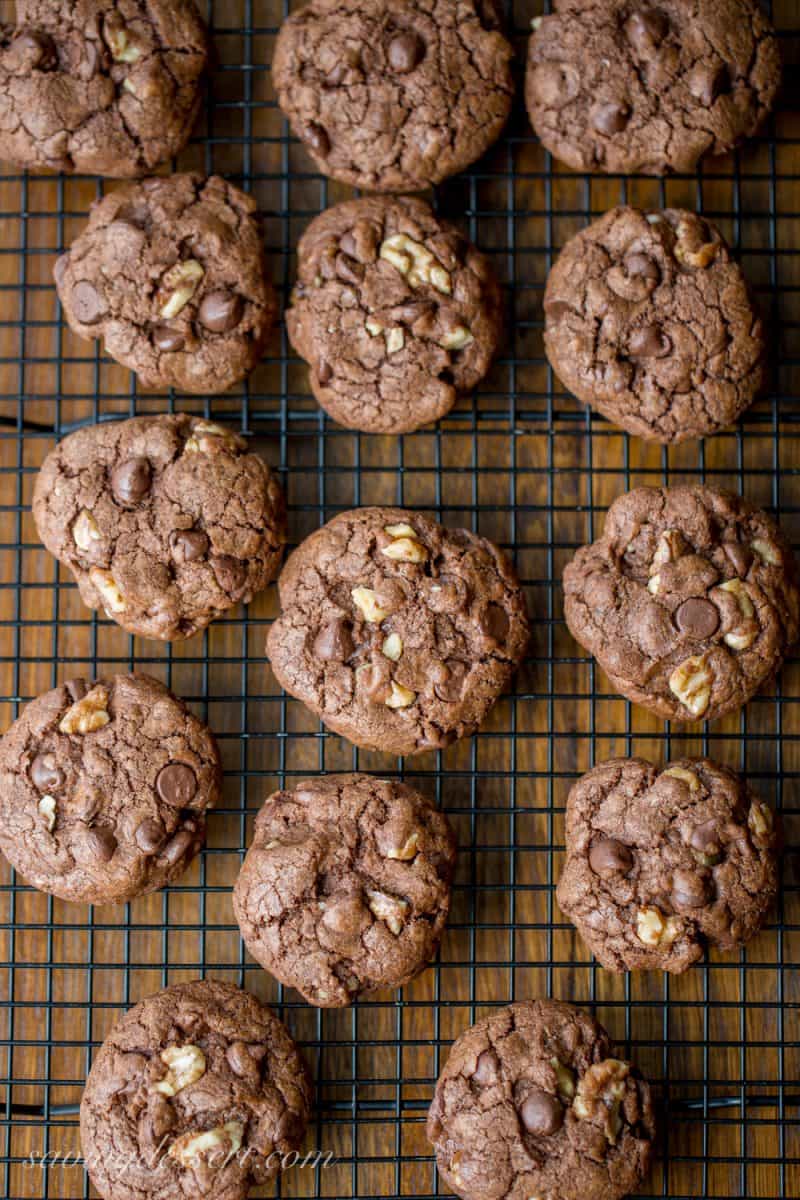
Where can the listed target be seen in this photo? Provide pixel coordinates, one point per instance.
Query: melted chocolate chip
(149, 835)
(221, 311)
(611, 118)
(176, 848)
(348, 269)
(697, 618)
(642, 266)
(708, 81)
(101, 843)
(541, 1113)
(649, 342)
(46, 776)
(706, 839)
(450, 687)
(176, 784)
(494, 622)
(167, 340)
(405, 52)
(487, 1068)
(646, 29)
(608, 856)
(334, 642)
(740, 557)
(231, 573)
(76, 689)
(87, 303)
(188, 545)
(317, 139)
(689, 890)
(130, 481)
(324, 373)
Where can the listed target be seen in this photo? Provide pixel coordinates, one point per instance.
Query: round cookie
(170, 275)
(398, 633)
(346, 886)
(394, 97)
(649, 87)
(164, 521)
(99, 87)
(395, 312)
(689, 601)
(532, 1102)
(198, 1091)
(651, 322)
(104, 788)
(662, 863)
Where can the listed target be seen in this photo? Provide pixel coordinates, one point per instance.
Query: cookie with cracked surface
(346, 887)
(398, 633)
(661, 864)
(394, 97)
(166, 522)
(689, 601)
(98, 86)
(639, 86)
(395, 312)
(104, 788)
(169, 273)
(650, 321)
(198, 1091)
(532, 1102)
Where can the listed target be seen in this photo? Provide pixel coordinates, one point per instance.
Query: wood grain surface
(527, 466)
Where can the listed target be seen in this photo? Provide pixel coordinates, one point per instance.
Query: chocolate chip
(101, 842)
(221, 311)
(324, 372)
(406, 51)
(649, 342)
(188, 545)
(231, 573)
(707, 81)
(697, 618)
(642, 266)
(168, 340)
(706, 839)
(89, 307)
(608, 856)
(611, 118)
(130, 481)
(646, 29)
(541, 1113)
(30, 51)
(494, 622)
(46, 776)
(334, 642)
(317, 139)
(348, 244)
(176, 848)
(689, 890)
(348, 269)
(149, 835)
(242, 1063)
(176, 784)
(740, 557)
(487, 1068)
(451, 687)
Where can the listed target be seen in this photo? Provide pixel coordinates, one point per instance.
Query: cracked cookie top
(169, 273)
(346, 886)
(164, 521)
(395, 312)
(104, 788)
(662, 863)
(399, 633)
(532, 1103)
(689, 601)
(637, 86)
(651, 322)
(394, 97)
(99, 87)
(198, 1091)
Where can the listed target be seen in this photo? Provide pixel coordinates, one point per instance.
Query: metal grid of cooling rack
(528, 467)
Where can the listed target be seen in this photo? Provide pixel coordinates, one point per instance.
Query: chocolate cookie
(346, 887)
(689, 601)
(621, 86)
(395, 312)
(394, 97)
(198, 1091)
(650, 321)
(99, 87)
(400, 634)
(104, 788)
(165, 521)
(532, 1103)
(170, 275)
(661, 863)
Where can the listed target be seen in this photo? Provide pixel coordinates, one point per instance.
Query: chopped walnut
(671, 545)
(123, 48)
(600, 1092)
(373, 327)
(404, 547)
(691, 683)
(220, 1144)
(178, 286)
(206, 437)
(745, 634)
(687, 777)
(186, 1064)
(654, 929)
(408, 850)
(766, 551)
(689, 252)
(47, 809)
(366, 602)
(399, 696)
(392, 647)
(389, 909)
(415, 262)
(108, 588)
(759, 819)
(87, 715)
(85, 530)
(565, 1080)
(395, 340)
(456, 339)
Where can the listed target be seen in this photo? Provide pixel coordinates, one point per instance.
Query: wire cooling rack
(526, 465)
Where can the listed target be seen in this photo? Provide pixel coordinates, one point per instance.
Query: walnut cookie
(98, 86)
(533, 1102)
(170, 275)
(165, 521)
(689, 601)
(399, 633)
(395, 312)
(662, 863)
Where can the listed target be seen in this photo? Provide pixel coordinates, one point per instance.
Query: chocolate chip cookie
(532, 1102)
(198, 1091)
(650, 87)
(394, 97)
(689, 601)
(170, 275)
(99, 87)
(346, 887)
(104, 788)
(650, 321)
(400, 634)
(165, 521)
(395, 312)
(662, 863)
